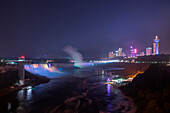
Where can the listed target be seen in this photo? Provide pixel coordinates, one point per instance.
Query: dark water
(81, 92)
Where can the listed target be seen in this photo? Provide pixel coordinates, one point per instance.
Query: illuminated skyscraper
(116, 53)
(149, 51)
(156, 46)
(111, 55)
(120, 52)
(133, 51)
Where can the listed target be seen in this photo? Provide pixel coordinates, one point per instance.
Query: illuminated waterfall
(43, 69)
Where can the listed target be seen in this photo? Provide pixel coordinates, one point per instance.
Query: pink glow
(135, 51)
(23, 57)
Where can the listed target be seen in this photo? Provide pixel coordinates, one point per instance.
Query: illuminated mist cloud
(75, 55)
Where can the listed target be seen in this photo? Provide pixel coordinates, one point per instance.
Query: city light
(149, 51)
(23, 57)
(133, 51)
(156, 46)
(106, 61)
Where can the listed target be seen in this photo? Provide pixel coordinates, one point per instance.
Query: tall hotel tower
(156, 46)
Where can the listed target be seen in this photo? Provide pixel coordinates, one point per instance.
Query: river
(82, 91)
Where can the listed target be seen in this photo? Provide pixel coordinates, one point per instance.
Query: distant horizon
(68, 57)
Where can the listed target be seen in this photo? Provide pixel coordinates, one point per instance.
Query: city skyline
(133, 52)
(35, 29)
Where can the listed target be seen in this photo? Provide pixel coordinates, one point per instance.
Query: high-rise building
(123, 54)
(116, 53)
(133, 51)
(141, 54)
(149, 51)
(120, 52)
(111, 55)
(156, 46)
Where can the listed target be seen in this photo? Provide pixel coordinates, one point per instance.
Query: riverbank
(150, 90)
(9, 81)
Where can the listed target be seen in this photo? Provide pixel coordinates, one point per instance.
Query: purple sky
(95, 27)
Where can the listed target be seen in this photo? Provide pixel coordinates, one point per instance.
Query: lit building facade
(120, 52)
(111, 55)
(133, 51)
(156, 46)
(116, 53)
(142, 54)
(148, 51)
(123, 54)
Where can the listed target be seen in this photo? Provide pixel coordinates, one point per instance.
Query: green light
(20, 60)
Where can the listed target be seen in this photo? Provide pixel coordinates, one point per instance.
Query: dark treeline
(10, 78)
(151, 90)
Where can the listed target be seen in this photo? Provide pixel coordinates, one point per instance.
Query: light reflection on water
(9, 106)
(20, 95)
(29, 93)
(108, 89)
(84, 88)
(25, 94)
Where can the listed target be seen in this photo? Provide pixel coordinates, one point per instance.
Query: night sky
(38, 27)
